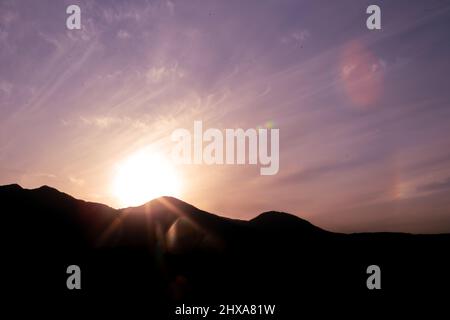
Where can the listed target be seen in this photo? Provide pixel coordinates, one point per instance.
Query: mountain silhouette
(167, 252)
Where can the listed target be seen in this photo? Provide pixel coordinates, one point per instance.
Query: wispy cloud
(123, 34)
(296, 37)
(5, 87)
(159, 74)
(435, 186)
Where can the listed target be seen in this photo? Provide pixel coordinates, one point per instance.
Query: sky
(363, 115)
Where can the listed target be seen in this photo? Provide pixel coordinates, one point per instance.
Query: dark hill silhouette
(274, 220)
(168, 252)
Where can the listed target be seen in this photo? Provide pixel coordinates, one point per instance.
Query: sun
(144, 176)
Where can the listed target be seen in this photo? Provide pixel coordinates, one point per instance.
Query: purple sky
(364, 116)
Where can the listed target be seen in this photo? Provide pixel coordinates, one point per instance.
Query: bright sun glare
(144, 176)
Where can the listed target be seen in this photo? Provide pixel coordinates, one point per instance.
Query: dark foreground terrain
(150, 259)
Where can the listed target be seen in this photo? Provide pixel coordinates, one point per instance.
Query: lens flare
(361, 74)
